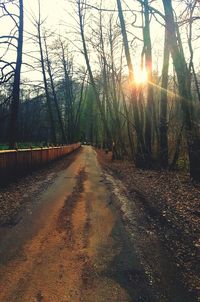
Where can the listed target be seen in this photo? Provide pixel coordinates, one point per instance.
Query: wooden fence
(16, 162)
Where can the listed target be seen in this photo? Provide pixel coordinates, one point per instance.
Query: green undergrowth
(23, 145)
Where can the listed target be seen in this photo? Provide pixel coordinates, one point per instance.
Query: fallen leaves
(174, 198)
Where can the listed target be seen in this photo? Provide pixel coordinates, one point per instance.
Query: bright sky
(55, 13)
(61, 19)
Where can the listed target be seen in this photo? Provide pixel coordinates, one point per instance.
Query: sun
(141, 75)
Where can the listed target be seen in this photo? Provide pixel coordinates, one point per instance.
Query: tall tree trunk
(106, 102)
(54, 95)
(13, 127)
(52, 124)
(125, 41)
(191, 63)
(119, 139)
(163, 106)
(103, 117)
(68, 97)
(81, 100)
(183, 77)
(148, 64)
(141, 152)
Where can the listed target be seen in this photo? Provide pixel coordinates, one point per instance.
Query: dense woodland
(125, 78)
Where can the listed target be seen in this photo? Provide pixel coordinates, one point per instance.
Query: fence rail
(16, 162)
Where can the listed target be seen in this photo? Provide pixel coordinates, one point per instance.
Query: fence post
(16, 159)
(41, 148)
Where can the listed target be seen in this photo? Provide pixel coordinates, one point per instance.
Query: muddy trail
(81, 243)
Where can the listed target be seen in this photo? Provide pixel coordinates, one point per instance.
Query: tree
(15, 98)
(163, 105)
(49, 105)
(141, 159)
(148, 65)
(81, 24)
(183, 77)
(61, 125)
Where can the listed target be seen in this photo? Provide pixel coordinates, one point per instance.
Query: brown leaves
(175, 199)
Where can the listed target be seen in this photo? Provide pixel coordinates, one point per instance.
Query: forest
(137, 93)
(99, 150)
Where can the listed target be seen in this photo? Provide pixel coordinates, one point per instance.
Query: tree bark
(163, 106)
(53, 130)
(183, 77)
(148, 64)
(13, 127)
(140, 158)
(68, 96)
(90, 71)
(55, 96)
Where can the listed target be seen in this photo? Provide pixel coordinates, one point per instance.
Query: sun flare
(141, 75)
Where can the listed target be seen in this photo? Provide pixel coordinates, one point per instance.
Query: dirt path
(84, 241)
(72, 245)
